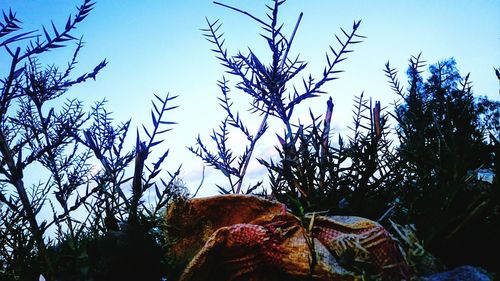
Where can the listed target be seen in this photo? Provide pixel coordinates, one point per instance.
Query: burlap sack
(237, 237)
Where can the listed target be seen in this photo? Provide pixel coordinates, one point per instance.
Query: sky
(156, 47)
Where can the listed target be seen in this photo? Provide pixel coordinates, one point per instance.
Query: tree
(442, 145)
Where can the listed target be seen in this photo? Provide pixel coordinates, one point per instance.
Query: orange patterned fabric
(236, 237)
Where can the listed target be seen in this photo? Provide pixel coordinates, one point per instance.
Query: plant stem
(252, 146)
(16, 179)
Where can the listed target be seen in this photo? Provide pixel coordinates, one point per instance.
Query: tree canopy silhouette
(443, 136)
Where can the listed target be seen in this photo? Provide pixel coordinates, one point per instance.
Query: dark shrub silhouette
(443, 132)
(64, 143)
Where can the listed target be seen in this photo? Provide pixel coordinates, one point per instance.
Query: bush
(443, 132)
(63, 143)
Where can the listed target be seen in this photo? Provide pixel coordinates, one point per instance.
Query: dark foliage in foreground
(80, 157)
(446, 139)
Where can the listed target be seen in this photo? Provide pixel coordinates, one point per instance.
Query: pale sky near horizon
(157, 47)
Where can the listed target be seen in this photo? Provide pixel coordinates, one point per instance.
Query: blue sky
(157, 47)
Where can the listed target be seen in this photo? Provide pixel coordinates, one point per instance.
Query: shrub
(441, 129)
(63, 143)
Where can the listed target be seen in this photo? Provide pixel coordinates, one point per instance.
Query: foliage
(421, 262)
(311, 174)
(81, 201)
(268, 85)
(105, 202)
(354, 178)
(428, 180)
(488, 112)
(442, 146)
